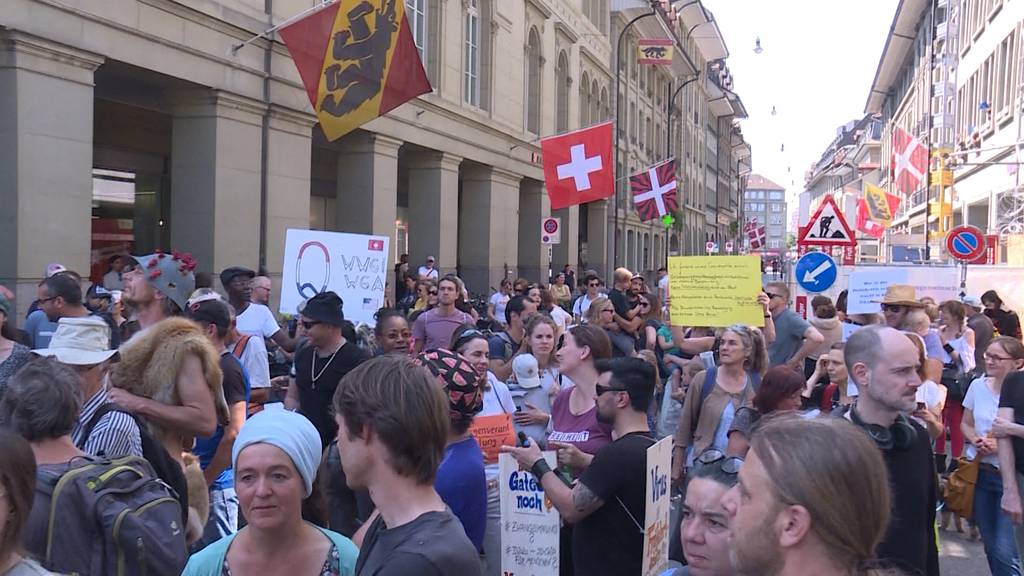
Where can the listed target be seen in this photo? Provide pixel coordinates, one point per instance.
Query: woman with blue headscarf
(275, 459)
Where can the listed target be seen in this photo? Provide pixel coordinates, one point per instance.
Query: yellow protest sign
(715, 290)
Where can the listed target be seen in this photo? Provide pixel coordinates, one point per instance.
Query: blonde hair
(593, 314)
(622, 275)
(753, 343)
(801, 459)
(917, 321)
(532, 325)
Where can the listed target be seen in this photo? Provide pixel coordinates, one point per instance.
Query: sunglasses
(730, 465)
(432, 292)
(601, 389)
(594, 284)
(645, 304)
(772, 295)
(307, 324)
(892, 308)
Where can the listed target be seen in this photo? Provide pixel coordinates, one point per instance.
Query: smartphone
(920, 406)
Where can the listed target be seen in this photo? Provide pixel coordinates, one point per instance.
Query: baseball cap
(973, 302)
(170, 274)
(431, 259)
(526, 370)
(98, 291)
(229, 274)
(212, 311)
(54, 268)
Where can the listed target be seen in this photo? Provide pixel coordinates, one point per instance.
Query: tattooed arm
(574, 504)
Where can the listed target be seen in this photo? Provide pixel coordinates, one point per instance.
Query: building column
(367, 201)
(568, 251)
(46, 139)
(598, 245)
(488, 227)
(215, 178)
(434, 209)
(289, 154)
(533, 208)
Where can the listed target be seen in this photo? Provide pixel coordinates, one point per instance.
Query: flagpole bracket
(269, 31)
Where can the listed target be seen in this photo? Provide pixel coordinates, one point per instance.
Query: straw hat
(80, 341)
(900, 295)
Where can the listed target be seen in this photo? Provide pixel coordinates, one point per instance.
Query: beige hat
(527, 372)
(900, 295)
(80, 341)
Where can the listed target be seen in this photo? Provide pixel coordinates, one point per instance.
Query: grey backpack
(110, 517)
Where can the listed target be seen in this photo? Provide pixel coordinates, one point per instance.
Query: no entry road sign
(965, 243)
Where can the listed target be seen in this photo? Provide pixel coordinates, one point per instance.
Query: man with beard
(606, 505)
(885, 366)
(803, 507)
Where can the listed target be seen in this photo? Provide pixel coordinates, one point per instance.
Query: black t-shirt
(618, 300)
(1012, 396)
(234, 379)
(315, 397)
(434, 544)
(611, 540)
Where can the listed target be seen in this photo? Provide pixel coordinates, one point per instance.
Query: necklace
(312, 366)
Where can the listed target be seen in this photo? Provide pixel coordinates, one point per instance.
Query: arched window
(630, 250)
(647, 253)
(585, 119)
(605, 111)
(476, 44)
(534, 62)
(595, 103)
(649, 143)
(562, 84)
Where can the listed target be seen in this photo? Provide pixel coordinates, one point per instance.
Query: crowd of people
(153, 424)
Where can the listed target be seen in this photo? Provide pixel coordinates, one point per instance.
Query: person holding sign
(607, 504)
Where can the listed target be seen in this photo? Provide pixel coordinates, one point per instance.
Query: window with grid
(416, 12)
(471, 43)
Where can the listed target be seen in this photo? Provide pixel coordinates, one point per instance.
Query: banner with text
(354, 266)
(657, 507)
(866, 285)
(715, 290)
(529, 521)
(493, 432)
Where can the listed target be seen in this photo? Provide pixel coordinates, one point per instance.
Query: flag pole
(313, 9)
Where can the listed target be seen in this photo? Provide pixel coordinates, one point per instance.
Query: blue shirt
(462, 485)
(39, 329)
(206, 447)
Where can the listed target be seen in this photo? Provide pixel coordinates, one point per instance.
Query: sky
(819, 58)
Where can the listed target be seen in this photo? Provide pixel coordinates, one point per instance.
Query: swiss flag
(865, 224)
(909, 159)
(578, 166)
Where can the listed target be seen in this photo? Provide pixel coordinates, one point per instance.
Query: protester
(714, 396)
(17, 485)
(462, 300)
(785, 518)
(601, 313)
(983, 329)
(795, 338)
(899, 299)
(61, 297)
(561, 291)
(981, 405)
(42, 406)
(535, 385)
(321, 365)
(98, 298)
(433, 329)
(409, 295)
(461, 482)
(570, 278)
(825, 320)
(663, 284)
(393, 427)
(583, 303)
(956, 353)
(1010, 435)
(625, 322)
(13, 354)
(704, 530)
(275, 459)
(251, 351)
(829, 388)
(214, 318)
(401, 275)
(250, 317)
(1005, 321)
(520, 287)
(262, 288)
(505, 344)
(606, 505)
(391, 332)
(674, 396)
(83, 345)
(428, 271)
(884, 364)
(424, 290)
(548, 307)
(496, 305)
(472, 344)
(930, 397)
(780, 391)
(650, 312)
(112, 279)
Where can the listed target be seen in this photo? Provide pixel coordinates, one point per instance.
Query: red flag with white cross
(909, 160)
(578, 166)
(654, 191)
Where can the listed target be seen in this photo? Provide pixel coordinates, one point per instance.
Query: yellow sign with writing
(715, 290)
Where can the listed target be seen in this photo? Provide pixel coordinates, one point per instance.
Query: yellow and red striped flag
(357, 60)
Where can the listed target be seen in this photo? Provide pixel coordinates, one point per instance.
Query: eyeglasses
(645, 304)
(594, 284)
(432, 292)
(994, 358)
(892, 308)
(307, 324)
(730, 465)
(45, 300)
(772, 295)
(601, 389)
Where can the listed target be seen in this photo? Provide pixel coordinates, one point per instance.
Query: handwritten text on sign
(529, 522)
(493, 432)
(657, 507)
(715, 290)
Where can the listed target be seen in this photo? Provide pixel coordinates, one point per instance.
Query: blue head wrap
(292, 432)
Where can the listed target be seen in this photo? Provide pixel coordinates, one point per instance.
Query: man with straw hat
(83, 344)
(898, 300)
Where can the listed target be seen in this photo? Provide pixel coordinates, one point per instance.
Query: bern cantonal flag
(578, 166)
(865, 224)
(909, 160)
(357, 60)
(654, 191)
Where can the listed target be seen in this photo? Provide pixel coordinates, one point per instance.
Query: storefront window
(127, 216)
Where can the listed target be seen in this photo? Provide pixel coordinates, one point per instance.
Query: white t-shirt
(254, 360)
(561, 317)
(582, 305)
(932, 396)
(663, 287)
(425, 272)
(497, 400)
(499, 301)
(983, 404)
(257, 320)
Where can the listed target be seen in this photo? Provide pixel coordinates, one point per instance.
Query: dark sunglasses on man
(710, 457)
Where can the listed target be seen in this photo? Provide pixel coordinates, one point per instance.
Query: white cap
(526, 370)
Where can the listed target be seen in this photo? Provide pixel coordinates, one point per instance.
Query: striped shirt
(115, 435)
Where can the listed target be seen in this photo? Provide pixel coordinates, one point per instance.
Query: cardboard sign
(493, 432)
(869, 284)
(657, 506)
(354, 266)
(529, 521)
(715, 290)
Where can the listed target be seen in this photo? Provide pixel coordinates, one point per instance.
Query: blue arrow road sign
(816, 272)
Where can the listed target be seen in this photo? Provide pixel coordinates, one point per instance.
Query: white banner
(869, 283)
(529, 521)
(354, 266)
(657, 507)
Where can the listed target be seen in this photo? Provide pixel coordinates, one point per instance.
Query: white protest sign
(529, 521)
(657, 507)
(869, 284)
(848, 330)
(354, 266)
